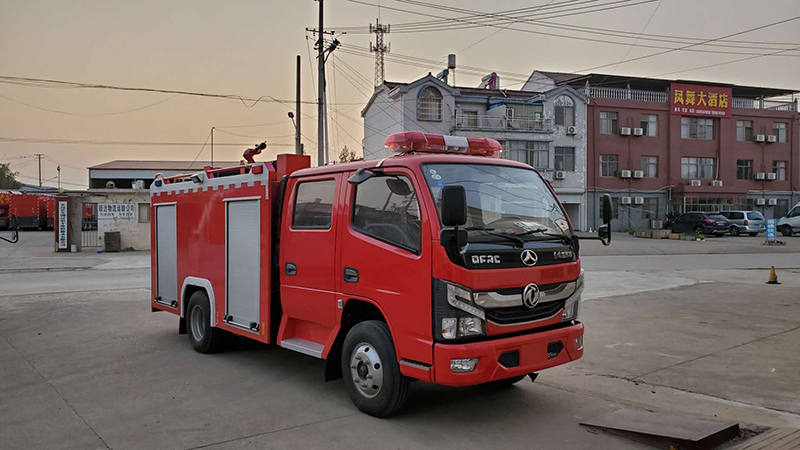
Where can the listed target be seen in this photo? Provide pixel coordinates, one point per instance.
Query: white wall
(133, 234)
(380, 120)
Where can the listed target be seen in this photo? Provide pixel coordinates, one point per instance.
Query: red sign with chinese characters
(702, 101)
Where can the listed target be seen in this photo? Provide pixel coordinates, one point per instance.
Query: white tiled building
(544, 129)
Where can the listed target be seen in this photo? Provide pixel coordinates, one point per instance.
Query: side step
(303, 346)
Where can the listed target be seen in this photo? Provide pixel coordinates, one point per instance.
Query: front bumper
(533, 356)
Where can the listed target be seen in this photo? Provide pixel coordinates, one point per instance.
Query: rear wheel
(734, 231)
(371, 373)
(203, 337)
(698, 229)
(786, 230)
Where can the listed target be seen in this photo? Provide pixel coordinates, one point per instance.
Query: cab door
(386, 256)
(307, 263)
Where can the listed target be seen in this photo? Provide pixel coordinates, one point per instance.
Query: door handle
(350, 275)
(291, 269)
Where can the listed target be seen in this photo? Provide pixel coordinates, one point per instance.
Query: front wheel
(734, 231)
(786, 230)
(203, 337)
(371, 373)
(698, 230)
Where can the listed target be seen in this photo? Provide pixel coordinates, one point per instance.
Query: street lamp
(298, 146)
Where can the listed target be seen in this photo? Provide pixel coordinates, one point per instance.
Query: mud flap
(182, 326)
(533, 376)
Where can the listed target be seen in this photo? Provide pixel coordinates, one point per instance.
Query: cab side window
(386, 208)
(313, 205)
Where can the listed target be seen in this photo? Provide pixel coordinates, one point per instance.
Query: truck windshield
(500, 199)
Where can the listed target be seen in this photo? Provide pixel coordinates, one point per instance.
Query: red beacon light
(417, 141)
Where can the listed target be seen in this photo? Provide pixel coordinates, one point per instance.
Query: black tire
(786, 230)
(368, 341)
(698, 229)
(735, 231)
(203, 337)
(753, 234)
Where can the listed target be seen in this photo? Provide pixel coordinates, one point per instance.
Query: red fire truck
(34, 211)
(442, 264)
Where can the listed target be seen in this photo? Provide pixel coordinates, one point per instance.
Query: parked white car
(790, 223)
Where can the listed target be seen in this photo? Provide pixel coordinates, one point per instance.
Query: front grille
(521, 314)
(509, 359)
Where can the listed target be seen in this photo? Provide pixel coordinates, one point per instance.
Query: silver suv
(750, 222)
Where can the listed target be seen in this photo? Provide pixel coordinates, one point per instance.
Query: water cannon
(250, 153)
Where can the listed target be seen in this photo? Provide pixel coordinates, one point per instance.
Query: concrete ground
(85, 364)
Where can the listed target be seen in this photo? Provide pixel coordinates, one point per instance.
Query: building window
(650, 208)
(744, 130)
(650, 166)
(779, 169)
(429, 105)
(470, 119)
(144, 212)
(534, 153)
(609, 165)
(565, 111)
(385, 211)
(781, 208)
(650, 125)
(313, 205)
(608, 122)
(697, 128)
(697, 168)
(744, 169)
(565, 159)
(779, 130)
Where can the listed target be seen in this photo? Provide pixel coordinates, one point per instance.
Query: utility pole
(212, 147)
(59, 177)
(321, 89)
(39, 157)
(379, 49)
(298, 146)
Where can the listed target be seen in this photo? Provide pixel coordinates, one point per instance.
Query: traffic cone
(773, 277)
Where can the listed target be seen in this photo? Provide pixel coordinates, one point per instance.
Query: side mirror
(608, 212)
(361, 176)
(454, 206)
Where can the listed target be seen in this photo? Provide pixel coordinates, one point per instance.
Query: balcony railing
(625, 94)
(466, 122)
(771, 105)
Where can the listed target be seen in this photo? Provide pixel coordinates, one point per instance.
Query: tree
(8, 178)
(346, 155)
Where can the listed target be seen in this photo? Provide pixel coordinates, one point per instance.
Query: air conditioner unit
(760, 138)
(571, 130)
(626, 200)
(638, 131)
(695, 183)
(559, 175)
(638, 174)
(761, 176)
(761, 201)
(624, 173)
(625, 131)
(638, 200)
(716, 183)
(773, 201)
(771, 176)
(656, 224)
(772, 138)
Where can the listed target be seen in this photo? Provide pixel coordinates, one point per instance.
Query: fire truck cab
(442, 264)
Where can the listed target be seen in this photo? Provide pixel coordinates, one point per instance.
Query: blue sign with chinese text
(770, 229)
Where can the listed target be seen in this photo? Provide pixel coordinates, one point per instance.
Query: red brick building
(663, 146)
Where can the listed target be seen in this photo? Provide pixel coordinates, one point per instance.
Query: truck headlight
(455, 314)
(572, 305)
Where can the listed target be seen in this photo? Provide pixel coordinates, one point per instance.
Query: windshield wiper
(510, 237)
(543, 231)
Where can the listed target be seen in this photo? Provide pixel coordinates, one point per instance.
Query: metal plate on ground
(686, 431)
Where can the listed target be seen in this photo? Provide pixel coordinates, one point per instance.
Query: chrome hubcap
(197, 322)
(366, 369)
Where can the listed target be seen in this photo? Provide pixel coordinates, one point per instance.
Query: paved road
(87, 365)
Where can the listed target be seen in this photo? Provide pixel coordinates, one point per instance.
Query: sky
(249, 48)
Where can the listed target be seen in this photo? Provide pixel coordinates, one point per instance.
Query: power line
(88, 114)
(658, 5)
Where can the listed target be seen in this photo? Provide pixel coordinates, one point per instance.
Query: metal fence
(501, 123)
(89, 234)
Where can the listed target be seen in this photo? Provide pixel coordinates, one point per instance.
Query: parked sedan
(699, 223)
(750, 222)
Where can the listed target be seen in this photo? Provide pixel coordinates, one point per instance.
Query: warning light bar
(417, 141)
